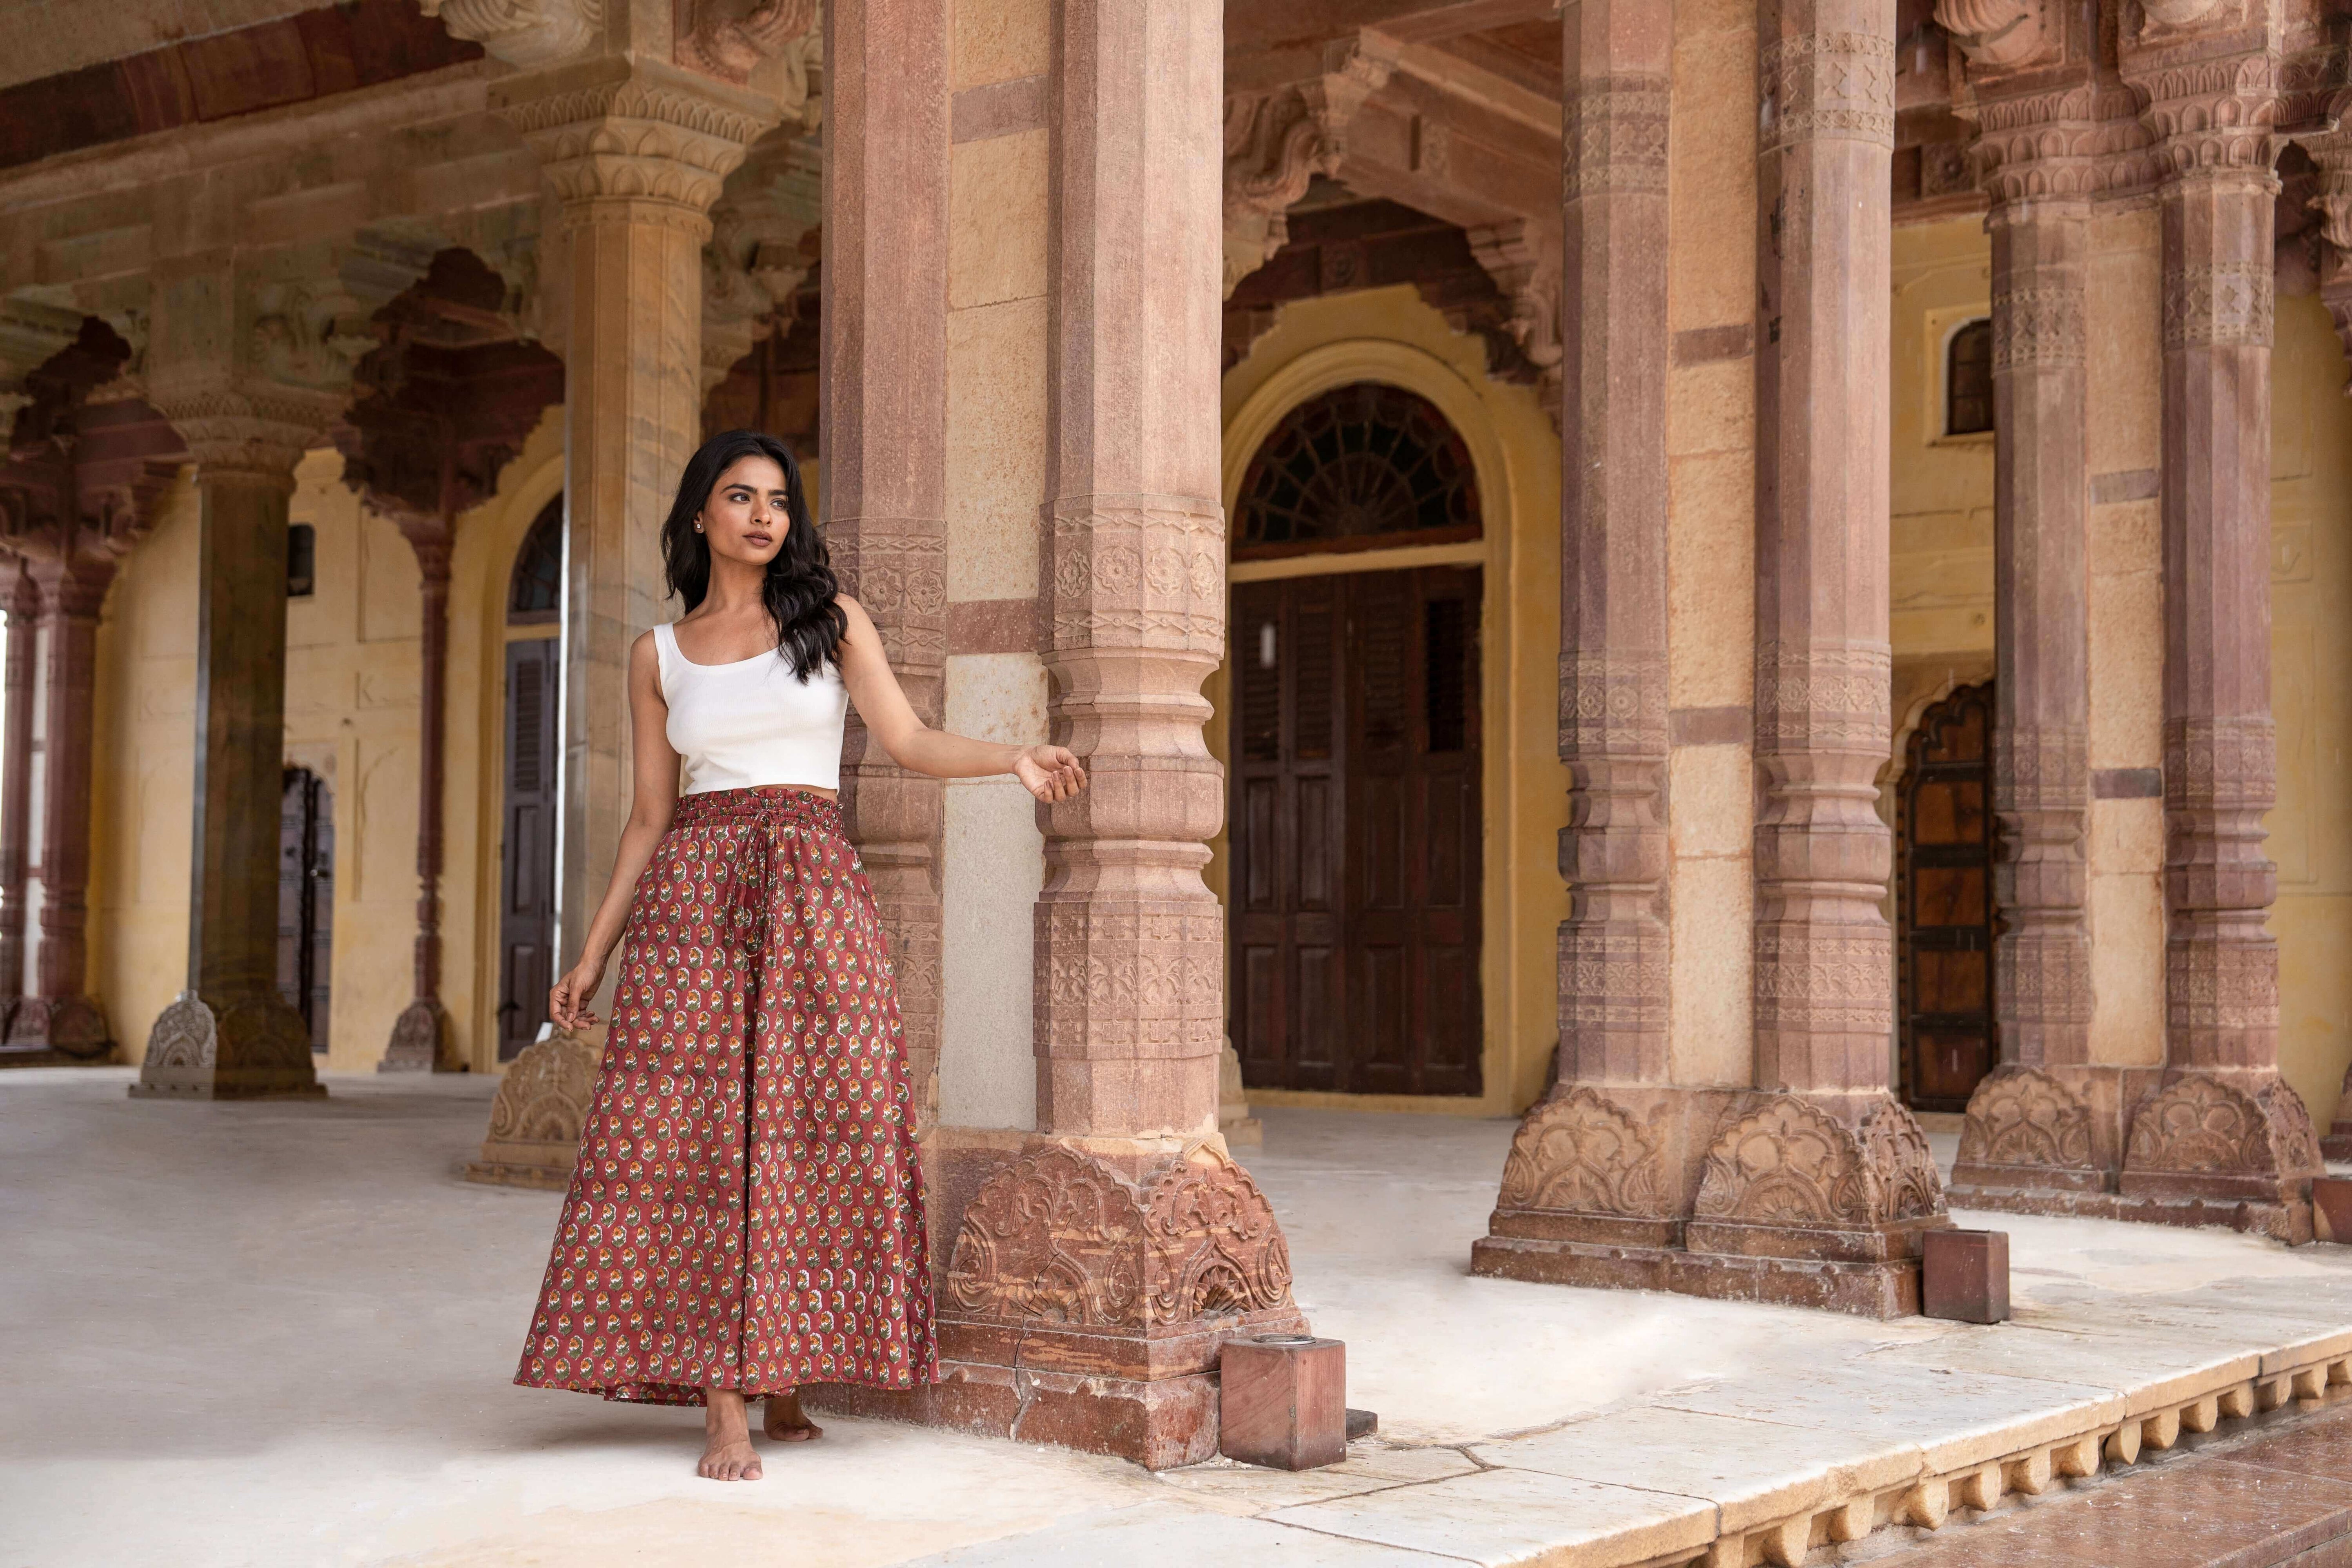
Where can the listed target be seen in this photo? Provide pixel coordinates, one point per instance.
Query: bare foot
(727, 1451)
(785, 1421)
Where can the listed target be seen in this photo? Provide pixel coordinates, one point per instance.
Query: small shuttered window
(1968, 380)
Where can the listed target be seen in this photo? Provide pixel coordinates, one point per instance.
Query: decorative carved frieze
(2038, 323)
(523, 33)
(1613, 135)
(1581, 1151)
(1838, 85)
(1059, 1236)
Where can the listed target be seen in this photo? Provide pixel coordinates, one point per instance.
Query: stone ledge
(2290, 1223)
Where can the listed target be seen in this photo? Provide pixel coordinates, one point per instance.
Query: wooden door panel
(1356, 832)
(527, 921)
(1944, 910)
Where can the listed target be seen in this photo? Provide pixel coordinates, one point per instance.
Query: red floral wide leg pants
(747, 1209)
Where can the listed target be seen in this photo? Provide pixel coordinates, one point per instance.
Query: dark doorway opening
(1356, 832)
(1944, 904)
(527, 816)
(306, 899)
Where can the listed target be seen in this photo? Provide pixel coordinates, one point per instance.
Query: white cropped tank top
(752, 722)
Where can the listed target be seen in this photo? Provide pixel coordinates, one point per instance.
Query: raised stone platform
(331, 1316)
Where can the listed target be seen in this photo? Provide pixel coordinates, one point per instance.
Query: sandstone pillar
(61, 1014)
(16, 784)
(2224, 1137)
(634, 152)
(1078, 1306)
(883, 449)
(1614, 1067)
(2046, 1123)
(230, 1035)
(420, 1037)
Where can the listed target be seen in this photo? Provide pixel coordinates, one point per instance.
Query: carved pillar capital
(650, 144)
(249, 435)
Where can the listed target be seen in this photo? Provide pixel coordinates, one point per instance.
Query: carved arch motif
(1582, 1152)
(1788, 1164)
(2023, 1116)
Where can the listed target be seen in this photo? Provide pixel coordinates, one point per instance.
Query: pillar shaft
(2219, 743)
(421, 1034)
(72, 596)
(17, 780)
(230, 1035)
(885, 382)
(1612, 674)
(1129, 942)
(2041, 794)
(1823, 949)
(634, 161)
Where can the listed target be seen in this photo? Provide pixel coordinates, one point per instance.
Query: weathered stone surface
(535, 1121)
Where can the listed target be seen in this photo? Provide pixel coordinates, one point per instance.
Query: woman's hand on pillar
(567, 1003)
(1050, 772)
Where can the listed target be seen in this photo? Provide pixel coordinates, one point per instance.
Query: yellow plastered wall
(1391, 335)
(2311, 649)
(352, 709)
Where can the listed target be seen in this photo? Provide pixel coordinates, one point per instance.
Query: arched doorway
(1944, 903)
(1355, 817)
(528, 806)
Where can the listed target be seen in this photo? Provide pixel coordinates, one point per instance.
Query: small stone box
(1283, 1400)
(1964, 1275)
(2331, 1207)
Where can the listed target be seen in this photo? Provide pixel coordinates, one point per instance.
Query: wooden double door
(1355, 832)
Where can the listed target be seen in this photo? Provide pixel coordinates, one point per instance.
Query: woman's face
(746, 517)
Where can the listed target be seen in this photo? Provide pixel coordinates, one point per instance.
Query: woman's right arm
(649, 814)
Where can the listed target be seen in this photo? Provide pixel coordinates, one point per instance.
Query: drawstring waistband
(743, 895)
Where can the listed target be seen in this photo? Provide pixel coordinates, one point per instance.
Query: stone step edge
(1929, 1502)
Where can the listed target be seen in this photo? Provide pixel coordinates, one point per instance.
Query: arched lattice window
(1968, 380)
(536, 593)
(1361, 466)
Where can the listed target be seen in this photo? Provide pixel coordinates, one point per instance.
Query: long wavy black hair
(800, 589)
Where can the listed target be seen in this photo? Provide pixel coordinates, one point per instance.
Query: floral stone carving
(2202, 1126)
(535, 1120)
(1059, 1236)
(1789, 1163)
(2023, 1116)
(1582, 1152)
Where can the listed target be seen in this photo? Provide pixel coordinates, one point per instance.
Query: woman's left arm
(1050, 772)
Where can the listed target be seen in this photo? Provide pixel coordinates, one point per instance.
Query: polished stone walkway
(264, 1334)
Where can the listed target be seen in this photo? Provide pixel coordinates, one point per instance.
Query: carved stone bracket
(2001, 34)
(523, 33)
(1527, 271)
(1276, 141)
(2203, 1137)
(727, 38)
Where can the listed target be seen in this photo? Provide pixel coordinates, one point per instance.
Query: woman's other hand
(567, 1003)
(1050, 772)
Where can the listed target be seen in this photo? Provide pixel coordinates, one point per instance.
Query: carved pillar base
(1739, 1194)
(73, 1028)
(535, 1121)
(1086, 1298)
(2135, 1144)
(421, 1040)
(253, 1046)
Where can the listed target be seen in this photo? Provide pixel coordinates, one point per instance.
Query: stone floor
(267, 1334)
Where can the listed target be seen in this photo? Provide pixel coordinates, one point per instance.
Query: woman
(747, 1214)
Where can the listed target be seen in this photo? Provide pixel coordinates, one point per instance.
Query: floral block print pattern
(748, 1211)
